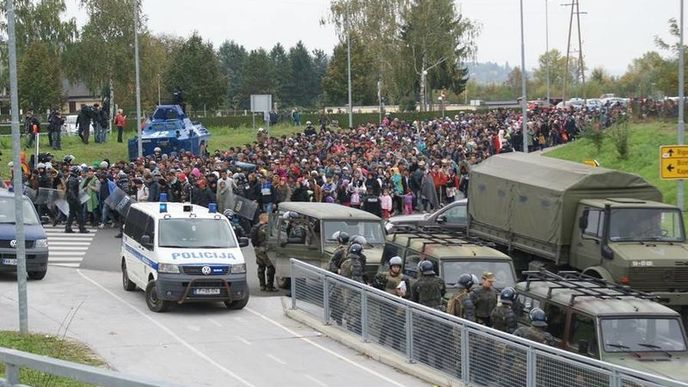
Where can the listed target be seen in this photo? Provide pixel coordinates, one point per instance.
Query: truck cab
(633, 242)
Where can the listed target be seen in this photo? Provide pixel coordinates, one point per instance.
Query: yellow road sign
(673, 162)
(592, 163)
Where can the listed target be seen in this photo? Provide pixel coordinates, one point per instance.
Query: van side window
(149, 229)
(556, 320)
(583, 332)
(595, 223)
(411, 265)
(134, 224)
(388, 252)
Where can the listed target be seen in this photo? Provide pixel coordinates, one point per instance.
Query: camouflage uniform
(485, 301)
(503, 318)
(461, 305)
(336, 299)
(428, 291)
(259, 238)
(337, 258)
(535, 334)
(393, 317)
(352, 268)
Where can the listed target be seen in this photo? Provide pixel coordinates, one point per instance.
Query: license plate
(207, 292)
(9, 261)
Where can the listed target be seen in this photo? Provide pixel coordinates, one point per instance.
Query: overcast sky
(613, 31)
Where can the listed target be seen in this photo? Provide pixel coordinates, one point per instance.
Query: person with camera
(55, 122)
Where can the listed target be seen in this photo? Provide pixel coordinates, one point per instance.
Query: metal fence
(468, 352)
(14, 360)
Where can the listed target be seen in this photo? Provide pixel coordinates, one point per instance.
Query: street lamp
(138, 84)
(524, 111)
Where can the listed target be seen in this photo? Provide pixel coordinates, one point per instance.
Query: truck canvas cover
(532, 198)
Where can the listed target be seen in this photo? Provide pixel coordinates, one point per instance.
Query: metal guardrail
(465, 351)
(14, 360)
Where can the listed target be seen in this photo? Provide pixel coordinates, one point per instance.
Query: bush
(619, 134)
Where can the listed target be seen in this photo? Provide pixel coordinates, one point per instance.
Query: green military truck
(305, 231)
(550, 213)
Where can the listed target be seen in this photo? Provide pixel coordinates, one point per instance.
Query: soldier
(428, 290)
(395, 283)
(72, 195)
(461, 305)
(352, 268)
(485, 299)
(339, 253)
(259, 238)
(536, 331)
(502, 316)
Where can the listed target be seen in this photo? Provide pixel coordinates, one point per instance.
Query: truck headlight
(41, 243)
(169, 268)
(238, 269)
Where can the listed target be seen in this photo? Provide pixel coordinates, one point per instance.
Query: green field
(644, 141)
(52, 346)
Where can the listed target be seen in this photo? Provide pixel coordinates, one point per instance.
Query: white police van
(181, 253)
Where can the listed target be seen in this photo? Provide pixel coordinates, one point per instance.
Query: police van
(179, 253)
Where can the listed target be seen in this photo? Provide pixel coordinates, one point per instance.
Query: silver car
(450, 217)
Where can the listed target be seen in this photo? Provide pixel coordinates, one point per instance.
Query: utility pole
(524, 110)
(581, 64)
(547, 47)
(681, 106)
(348, 65)
(379, 99)
(17, 184)
(138, 84)
(574, 4)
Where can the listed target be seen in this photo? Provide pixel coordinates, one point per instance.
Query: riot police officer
(75, 208)
(339, 253)
(536, 331)
(485, 299)
(266, 270)
(461, 305)
(502, 316)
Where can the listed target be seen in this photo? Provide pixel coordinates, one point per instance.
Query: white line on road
(243, 340)
(66, 253)
(275, 358)
(65, 259)
(217, 324)
(169, 332)
(56, 243)
(76, 239)
(68, 248)
(314, 380)
(331, 352)
(65, 264)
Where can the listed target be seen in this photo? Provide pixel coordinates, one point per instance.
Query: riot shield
(119, 201)
(30, 193)
(48, 196)
(241, 206)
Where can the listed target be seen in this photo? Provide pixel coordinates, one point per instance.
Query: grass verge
(52, 346)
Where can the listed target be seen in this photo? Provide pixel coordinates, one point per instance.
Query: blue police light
(212, 208)
(163, 207)
(163, 197)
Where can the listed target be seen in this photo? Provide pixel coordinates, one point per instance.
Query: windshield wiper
(618, 346)
(649, 345)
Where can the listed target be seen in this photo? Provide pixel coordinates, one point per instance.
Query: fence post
(364, 315)
(531, 368)
(409, 334)
(11, 374)
(465, 356)
(614, 379)
(292, 283)
(326, 300)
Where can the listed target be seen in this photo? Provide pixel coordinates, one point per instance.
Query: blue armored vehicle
(170, 130)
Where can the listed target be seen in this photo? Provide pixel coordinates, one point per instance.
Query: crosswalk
(67, 250)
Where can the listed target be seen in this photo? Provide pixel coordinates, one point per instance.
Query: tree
(282, 73)
(39, 80)
(363, 81)
(302, 88)
(195, 69)
(320, 61)
(232, 57)
(254, 81)
(557, 74)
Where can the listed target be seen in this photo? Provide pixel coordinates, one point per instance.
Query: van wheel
(238, 304)
(126, 282)
(283, 282)
(154, 303)
(37, 275)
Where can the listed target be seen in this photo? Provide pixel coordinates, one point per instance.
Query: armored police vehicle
(179, 253)
(305, 231)
(36, 241)
(606, 321)
(451, 255)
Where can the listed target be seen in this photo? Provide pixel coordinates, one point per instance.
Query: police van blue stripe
(138, 255)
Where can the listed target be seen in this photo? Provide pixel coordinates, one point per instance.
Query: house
(76, 95)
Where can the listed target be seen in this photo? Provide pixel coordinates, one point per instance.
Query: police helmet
(427, 268)
(308, 123)
(359, 239)
(538, 318)
(290, 215)
(466, 281)
(157, 149)
(508, 295)
(75, 170)
(260, 129)
(104, 165)
(396, 260)
(343, 237)
(68, 159)
(40, 166)
(228, 213)
(355, 248)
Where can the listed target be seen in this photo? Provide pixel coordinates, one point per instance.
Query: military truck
(305, 231)
(451, 255)
(608, 224)
(606, 321)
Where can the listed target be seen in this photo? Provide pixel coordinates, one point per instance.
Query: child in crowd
(386, 204)
(408, 202)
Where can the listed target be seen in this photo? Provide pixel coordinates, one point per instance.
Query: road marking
(217, 324)
(72, 265)
(316, 381)
(331, 352)
(243, 340)
(68, 248)
(169, 332)
(66, 253)
(193, 328)
(69, 244)
(275, 358)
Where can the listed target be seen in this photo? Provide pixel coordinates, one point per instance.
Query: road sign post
(673, 162)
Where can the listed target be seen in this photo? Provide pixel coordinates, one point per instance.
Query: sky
(613, 31)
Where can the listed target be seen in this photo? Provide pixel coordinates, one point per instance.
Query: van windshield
(196, 233)
(504, 275)
(640, 334)
(371, 231)
(7, 212)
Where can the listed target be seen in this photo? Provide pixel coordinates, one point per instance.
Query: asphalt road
(192, 345)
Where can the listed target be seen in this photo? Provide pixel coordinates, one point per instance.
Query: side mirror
(583, 347)
(442, 219)
(583, 221)
(243, 242)
(607, 252)
(146, 241)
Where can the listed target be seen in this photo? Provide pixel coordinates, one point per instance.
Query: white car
(70, 126)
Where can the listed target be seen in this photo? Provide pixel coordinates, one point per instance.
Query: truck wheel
(238, 304)
(283, 282)
(37, 275)
(154, 303)
(126, 282)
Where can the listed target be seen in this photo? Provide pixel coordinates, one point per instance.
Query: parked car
(450, 217)
(70, 127)
(593, 103)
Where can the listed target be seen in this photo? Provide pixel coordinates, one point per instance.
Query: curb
(374, 351)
